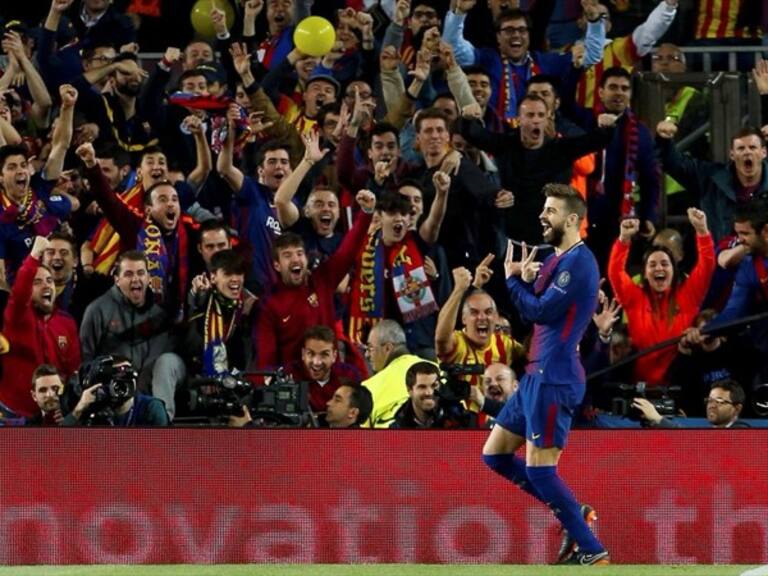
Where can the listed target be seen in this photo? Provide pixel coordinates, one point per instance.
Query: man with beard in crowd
(117, 114)
(160, 233)
(47, 389)
(302, 298)
(127, 321)
(321, 368)
(38, 331)
(559, 296)
(101, 249)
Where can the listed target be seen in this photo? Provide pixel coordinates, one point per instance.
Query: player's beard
(555, 235)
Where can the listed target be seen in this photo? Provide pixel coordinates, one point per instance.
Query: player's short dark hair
(430, 114)
(360, 397)
(132, 256)
(734, 388)
(271, 146)
(45, 370)
(11, 150)
(574, 203)
(319, 332)
(285, 240)
(755, 212)
(553, 81)
(393, 203)
(423, 368)
(748, 131)
(229, 261)
(614, 72)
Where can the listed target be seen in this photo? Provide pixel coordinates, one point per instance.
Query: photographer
(422, 382)
(109, 397)
(126, 321)
(426, 407)
(724, 404)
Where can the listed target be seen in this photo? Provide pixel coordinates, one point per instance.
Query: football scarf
(511, 82)
(217, 331)
(31, 213)
(161, 261)
(405, 269)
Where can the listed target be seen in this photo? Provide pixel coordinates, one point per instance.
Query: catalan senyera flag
(105, 242)
(717, 19)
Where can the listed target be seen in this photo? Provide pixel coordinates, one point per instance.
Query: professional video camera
(453, 393)
(118, 385)
(659, 396)
(281, 403)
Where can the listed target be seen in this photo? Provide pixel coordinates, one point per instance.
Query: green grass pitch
(371, 570)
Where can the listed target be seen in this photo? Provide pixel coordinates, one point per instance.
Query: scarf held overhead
(404, 266)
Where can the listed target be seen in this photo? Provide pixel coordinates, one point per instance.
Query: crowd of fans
(240, 207)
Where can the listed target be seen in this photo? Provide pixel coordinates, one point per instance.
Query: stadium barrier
(311, 496)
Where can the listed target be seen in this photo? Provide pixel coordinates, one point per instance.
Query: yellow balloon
(314, 36)
(200, 16)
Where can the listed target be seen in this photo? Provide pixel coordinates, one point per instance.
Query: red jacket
(34, 340)
(650, 318)
(289, 311)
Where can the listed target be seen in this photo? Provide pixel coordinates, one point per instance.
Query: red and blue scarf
(161, 262)
(404, 267)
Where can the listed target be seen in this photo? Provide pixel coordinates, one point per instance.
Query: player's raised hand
(527, 267)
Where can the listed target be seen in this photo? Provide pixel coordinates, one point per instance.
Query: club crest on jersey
(563, 279)
(62, 341)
